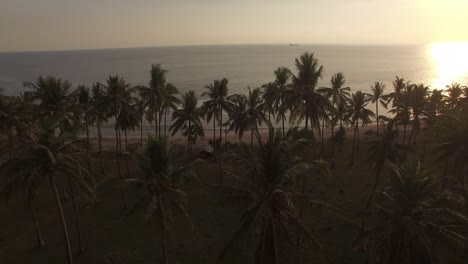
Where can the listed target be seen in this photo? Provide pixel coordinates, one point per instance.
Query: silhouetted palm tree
(187, 120)
(338, 94)
(412, 216)
(358, 111)
(377, 97)
(283, 77)
(454, 92)
(416, 100)
(266, 174)
(47, 156)
(170, 101)
(305, 82)
(163, 197)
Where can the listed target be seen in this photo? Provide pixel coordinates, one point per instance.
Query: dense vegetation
(413, 211)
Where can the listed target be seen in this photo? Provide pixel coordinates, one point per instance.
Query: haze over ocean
(192, 67)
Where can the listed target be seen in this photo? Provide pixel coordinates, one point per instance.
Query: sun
(450, 62)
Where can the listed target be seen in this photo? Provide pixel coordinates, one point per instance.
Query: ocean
(193, 67)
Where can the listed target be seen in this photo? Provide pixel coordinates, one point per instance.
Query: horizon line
(234, 44)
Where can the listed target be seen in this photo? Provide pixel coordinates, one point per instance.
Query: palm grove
(414, 201)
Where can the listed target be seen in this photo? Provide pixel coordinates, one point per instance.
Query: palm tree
(412, 216)
(98, 116)
(454, 92)
(267, 172)
(237, 116)
(153, 94)
(416, 99)
(449, 136)
(254, 115)
(283, 77)
(117, 95)
(55, 101)
(339, 96)
(47, 156)
(170, 101)
(358, 111)
(377, 97)
(435, 105)
(162, 179)
(217, 104)
(270, 97)
(385, 149)
(83, 96)
(187, 120)
(400, 109)
(309, 101)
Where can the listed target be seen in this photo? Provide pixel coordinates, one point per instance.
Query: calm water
(193, 67)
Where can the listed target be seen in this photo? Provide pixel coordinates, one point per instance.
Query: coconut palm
(377, 97)
(412, 215)
(117, 95)
(283, 77)
(454, 92)
(98, 116)
(48, 157)
(217, 104)
(416, 100)
(449, 136)
(170, 101)
(163, 197)
(54, 99)
(187, 120)
(152, 95)
(358, 112)
(309, 102)
(253, 113)
(385, 149)
(270, 97)
(338, 94)
(237, 116)
(266, 174)
(435, 105)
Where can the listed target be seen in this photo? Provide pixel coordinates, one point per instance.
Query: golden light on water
(450, 61)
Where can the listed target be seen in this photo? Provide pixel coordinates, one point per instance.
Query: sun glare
(450, 61)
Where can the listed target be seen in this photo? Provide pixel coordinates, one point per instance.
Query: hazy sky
(84, 24)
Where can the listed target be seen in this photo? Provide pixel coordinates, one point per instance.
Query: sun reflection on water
(450, 62)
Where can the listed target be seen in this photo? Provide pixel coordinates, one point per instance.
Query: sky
(29, 25)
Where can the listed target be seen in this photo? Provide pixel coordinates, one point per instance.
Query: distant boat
(293, 45)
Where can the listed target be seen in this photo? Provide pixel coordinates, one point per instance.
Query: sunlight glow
(450, 61)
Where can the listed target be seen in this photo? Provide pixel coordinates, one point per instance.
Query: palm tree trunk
(220, 148)
(376, 184)
(62, 218)
(251, 138)
(163, 228)
(404, 133)
(306, 115)
(12, 146)
(354, 141)
(155, 122)
(165, 124)
(358, 137)
(377, 114)
(322, 134)
(126, 153)
(77, 220)
(214, 130)
(40, 241)
(117, 156)
(412, 131)
(100, 147)
(159, 124)
(141, 131)
(188, 140)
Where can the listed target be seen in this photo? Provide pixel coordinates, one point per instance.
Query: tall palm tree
(377, 97)
(412, 215)
(283, 77)
(270, 97)
(385, 149)
(163, 197)
(416, 98)
(84, 99)
(254, 114)
(117, 95)
(339, 95)
(217, 104)
(309, 101)
(50, 157)
(358, 111)
(454, 92)
(187, 119)
(98, 116)
(237, 116)
(266, 174)
(435, 105)
(54, 100)
(399, 107)
(170, 101)
(152, 95)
